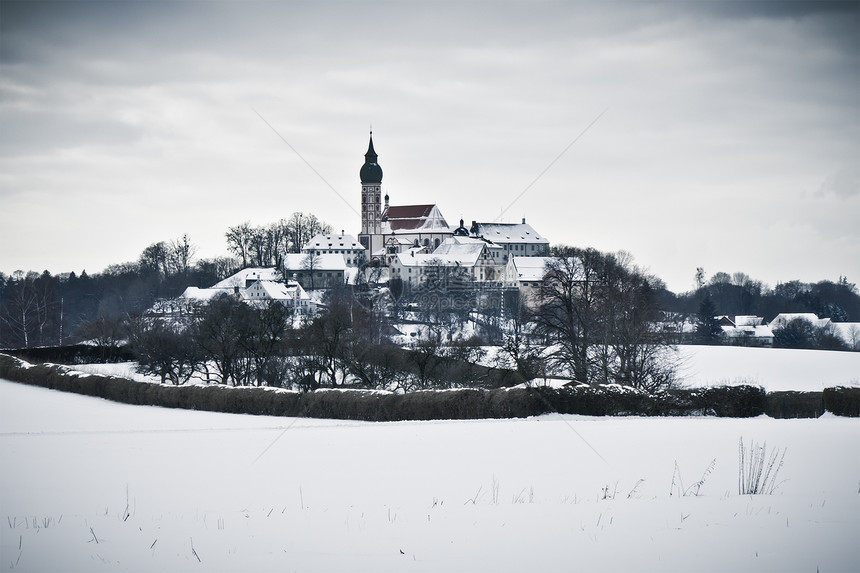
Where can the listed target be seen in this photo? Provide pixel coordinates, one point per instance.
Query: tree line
(227, 341)
(53, 310)
(266, 245)
(43, 309)
(739, 294)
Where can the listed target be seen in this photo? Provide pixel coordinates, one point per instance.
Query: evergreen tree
(708, 329)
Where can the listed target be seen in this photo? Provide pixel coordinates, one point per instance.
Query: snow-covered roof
(748, 320)
(784, 318)
(411, 218)
(455, 251)
(204, 294)
(458, 243)
(461, 248)
(393, 240)
(505, 233)
(756, 331)
(740, 320)
(321, 262)
(529, 269)
(464, 259)
(279, 290)
(251, 273)
(334, 242)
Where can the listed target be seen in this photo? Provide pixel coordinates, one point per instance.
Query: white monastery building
(354, 254)
(254, 285)
(416, 241)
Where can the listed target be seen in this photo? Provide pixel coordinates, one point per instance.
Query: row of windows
(337, 251)
(521, 247)
(318, 274)
(436, 243)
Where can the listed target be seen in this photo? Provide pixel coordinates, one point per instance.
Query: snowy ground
(88, 485)
(773, 368)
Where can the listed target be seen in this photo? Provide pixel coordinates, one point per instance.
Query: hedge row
(609, 400)
(842, 401)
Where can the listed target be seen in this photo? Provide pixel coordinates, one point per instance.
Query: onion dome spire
(371, 172)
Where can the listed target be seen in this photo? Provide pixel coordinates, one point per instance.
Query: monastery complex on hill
(410, 243)
(414, 241)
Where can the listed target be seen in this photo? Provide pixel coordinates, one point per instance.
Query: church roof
(414, 218)
(371, 172)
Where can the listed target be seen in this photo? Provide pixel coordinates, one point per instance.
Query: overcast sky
(730, 138)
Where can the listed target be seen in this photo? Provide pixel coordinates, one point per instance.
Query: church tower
(371, 198)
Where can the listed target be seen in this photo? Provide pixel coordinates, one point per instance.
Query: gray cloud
(718, 112)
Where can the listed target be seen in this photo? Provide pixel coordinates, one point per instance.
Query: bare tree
(218, 268)
(218, 335)
(599, 313)
(309, 264)
(427, 358)
(262, 335)
(330, 335)
(30, 308)
(278, 234)
(20, 308)
(518, 344)
(266, 245)
(238, 239)
(373, 365)
(302, 227)
(181, 252)
(699, 277)
(156, 259)
(107, 333)
(258, 246)
(569, 309)
(163, 348)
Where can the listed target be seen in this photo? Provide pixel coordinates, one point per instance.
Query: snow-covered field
(773, 368)
(88, 485)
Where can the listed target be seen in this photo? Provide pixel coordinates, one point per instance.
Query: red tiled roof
(407, 211)
(407, 217)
